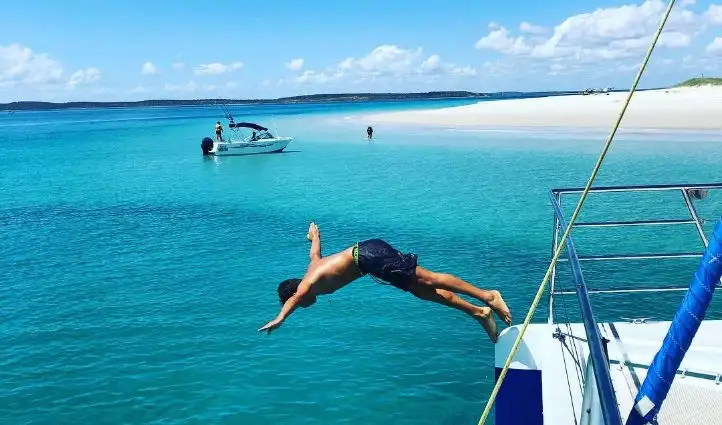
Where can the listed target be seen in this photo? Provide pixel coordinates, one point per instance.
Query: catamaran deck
(695, 397)
(590, 372)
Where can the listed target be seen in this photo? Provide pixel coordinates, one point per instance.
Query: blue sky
(131, 50)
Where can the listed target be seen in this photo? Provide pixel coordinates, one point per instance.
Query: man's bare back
(383, 262)
(328, 275)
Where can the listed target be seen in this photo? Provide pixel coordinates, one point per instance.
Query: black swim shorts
(381, 260)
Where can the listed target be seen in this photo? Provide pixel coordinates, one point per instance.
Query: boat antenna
(615, 412)
(274, 126)
(226, 111)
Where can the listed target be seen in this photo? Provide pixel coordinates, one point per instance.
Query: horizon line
(304, 98)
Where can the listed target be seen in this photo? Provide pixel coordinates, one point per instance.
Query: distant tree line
(313, 98)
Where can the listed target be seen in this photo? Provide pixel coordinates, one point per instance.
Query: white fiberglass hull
(544, 373)
(274, 145)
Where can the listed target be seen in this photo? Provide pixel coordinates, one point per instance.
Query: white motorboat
(259, 142)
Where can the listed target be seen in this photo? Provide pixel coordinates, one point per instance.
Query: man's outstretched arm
(288, 307)
(315, 237)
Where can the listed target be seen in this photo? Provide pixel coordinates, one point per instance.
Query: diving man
(377, 258)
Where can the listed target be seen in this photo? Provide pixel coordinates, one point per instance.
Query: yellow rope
(559, 249)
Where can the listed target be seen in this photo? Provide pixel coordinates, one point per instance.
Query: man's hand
(312, 231)
(270, 326)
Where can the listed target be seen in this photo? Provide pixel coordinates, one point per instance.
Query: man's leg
(440, 296)
(454, 284)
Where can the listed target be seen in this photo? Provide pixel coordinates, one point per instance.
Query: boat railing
(600, 364)
(603, 379)
(687, 192)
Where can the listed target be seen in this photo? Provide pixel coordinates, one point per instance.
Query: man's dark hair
(287, 288)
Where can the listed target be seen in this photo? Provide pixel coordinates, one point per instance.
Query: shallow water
(135, 272)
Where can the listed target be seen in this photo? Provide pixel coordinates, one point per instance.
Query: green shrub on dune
(696, 82)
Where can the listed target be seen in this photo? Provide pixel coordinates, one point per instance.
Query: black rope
(566, 372)
(562, 338)
(575, 355)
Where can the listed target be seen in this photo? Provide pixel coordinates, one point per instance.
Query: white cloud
(179, 66)
(20, 65)
(714, 14)
(434, 65)
(193, 87)
(84, 76)
(138, 90)
(531, 29)
(217, 68)
(295, 64)
(190, 86)
(628, 67)
(557, 68)
(498, 67)
(314, 77)
(715, 47)
(384, 62)
(148, 69)
(613, 33)
(498, 39)
(674, 39)
(708, 63)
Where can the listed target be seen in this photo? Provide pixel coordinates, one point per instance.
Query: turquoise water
(135, 272)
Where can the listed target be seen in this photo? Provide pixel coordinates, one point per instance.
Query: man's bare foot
(312, 231)
(484, 317)
(500, 308)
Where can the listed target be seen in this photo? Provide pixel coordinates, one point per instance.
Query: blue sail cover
(684, 326)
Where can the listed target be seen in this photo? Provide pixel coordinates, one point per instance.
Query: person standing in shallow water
(369, 133)
(385, 264)
(219, 132)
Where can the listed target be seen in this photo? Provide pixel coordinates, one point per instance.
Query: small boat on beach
(258, 142)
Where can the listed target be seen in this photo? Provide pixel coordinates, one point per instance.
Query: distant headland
(700, 82)
(313, 98)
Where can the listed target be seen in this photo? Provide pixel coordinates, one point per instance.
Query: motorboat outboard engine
(207, 145)
(698, 193)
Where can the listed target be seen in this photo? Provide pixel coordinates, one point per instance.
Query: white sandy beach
(698, 108)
